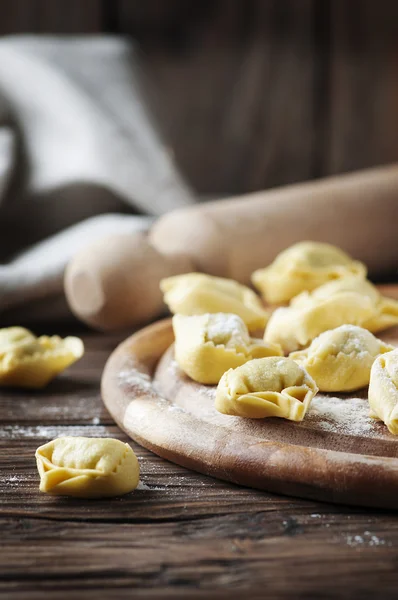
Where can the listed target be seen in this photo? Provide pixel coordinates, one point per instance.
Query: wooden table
(181, 535)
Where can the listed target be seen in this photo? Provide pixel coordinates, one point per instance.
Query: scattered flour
(209, 392)
(51, 431)
(226, 329)
(367, 539)
(349, 416)
(142, 486)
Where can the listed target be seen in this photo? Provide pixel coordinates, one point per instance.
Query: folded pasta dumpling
(383, 390)
(30, 361)
(87, 467)
(266, 387)
(385, 310)
(295, 327)
(208, 345)
(339, 360)
(304, 266)
(197, 294)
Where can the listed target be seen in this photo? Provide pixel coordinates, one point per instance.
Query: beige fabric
(75, 142)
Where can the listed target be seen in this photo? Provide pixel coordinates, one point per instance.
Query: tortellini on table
(208, 345)
(385, 310)
(340, 360)
(304, 266)
(197, 294)
(383, 390)
(266, 387)
(295, 327)
(30, 361)
(87, 467)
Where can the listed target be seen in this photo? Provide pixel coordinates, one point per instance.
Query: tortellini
(197, 294)
(266, 387)
(385, 310)
(87, 467)
(208, 345)
(304, 266)
(31, 362)
(294, 327)
(340, 360)
(383, 390)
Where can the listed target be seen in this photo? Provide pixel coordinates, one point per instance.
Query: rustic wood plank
(50, 16)
(72, 398)
(180, 534)
(363, 87)
(234, 86)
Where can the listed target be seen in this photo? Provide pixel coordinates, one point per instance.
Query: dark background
(252, 93)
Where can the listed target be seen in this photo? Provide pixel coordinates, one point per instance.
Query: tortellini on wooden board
(197, 294)
(340, 360)
(87, 467)
(304, 266)
(383, 390)
(266, 387)
(208, 345)
(295, 327)
(385, 310)
(31, 362)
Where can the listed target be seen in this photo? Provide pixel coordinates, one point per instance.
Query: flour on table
(349, 416)
(140, 381)
(8, 432)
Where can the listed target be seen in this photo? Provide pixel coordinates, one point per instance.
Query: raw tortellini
(383, 390)
(340, 360)
(295, 327)
(385, 310)
(304, 266)
(31, 362)
(266, 387)
(87, 467)
(197, 294)
(208, 345)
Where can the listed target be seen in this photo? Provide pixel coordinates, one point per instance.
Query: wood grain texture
(363, 87)
(183, 535)
(174, 417)
(251, 94)
(224, 75)
(50, 16)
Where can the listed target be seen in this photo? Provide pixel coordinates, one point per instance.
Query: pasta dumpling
(340, 360)
(385, 310)
(30, 361)
(208, 345)
(304, 266)
(295, 327)
(383, 390)
(197, 294)
(266, 387)
(87, 467)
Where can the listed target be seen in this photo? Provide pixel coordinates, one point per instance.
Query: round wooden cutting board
(337, 453)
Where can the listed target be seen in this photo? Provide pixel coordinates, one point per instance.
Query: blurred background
(252, 93)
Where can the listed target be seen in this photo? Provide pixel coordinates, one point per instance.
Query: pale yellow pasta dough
(385, 310)
(339, 360)
(30, 361)
(197, 294)
(208, 345)
(266, 387)
(87, 467)
(295, 327)
(304, 266)
(383, 390)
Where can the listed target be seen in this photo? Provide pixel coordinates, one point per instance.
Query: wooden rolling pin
(116, 285)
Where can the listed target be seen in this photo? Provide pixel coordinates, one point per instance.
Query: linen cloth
(79, 159)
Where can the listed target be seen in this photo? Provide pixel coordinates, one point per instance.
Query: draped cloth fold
(79, 158)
